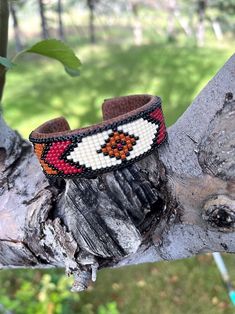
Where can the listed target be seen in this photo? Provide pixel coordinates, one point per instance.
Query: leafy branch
(51, 48)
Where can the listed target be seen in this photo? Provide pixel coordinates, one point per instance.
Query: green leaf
(58, 50)
(72, 72)
(6, 63)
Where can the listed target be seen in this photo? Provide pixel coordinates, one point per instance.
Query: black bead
(120, 148)
(106, 154)
(127, 154)
(99, 151)
(114, 146)
(103, 146)
(136, 137)
(107, 140)
(133, 143)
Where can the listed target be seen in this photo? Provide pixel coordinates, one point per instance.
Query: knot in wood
(219, 212)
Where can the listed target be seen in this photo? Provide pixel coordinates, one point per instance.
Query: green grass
(37, 90)
(191, 286)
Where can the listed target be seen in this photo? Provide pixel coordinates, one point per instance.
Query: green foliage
(164, 288)
(227, 6)
(6, 63)
(50, 295)
(58, 50)
(109, 308)
(174, 73)
(51, 48)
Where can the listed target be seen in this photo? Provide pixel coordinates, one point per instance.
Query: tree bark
(44, 26)
(4, 16)
(175, 203)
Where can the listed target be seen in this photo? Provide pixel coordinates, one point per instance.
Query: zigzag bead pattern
(101, 148)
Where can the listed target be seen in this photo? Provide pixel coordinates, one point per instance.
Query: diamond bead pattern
(102, 149)
(95, 151)
(118, 145)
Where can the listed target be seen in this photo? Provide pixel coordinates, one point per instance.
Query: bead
(101, 148)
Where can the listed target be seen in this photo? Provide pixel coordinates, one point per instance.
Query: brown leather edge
(114, 110)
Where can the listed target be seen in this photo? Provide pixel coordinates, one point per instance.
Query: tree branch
(4, 16)
(178, 202)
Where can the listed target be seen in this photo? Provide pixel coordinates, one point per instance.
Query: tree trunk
(217, 30)
(45, 33)
(137, 26)
(171, 8)
(4, 16)
(18, 43)
(175, 203)
(91, 6)
(183, 22)
(60, 20)
(202, 4)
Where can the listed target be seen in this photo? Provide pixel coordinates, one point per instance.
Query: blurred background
(168, 48)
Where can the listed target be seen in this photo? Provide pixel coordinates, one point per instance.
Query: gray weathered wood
(178, 202)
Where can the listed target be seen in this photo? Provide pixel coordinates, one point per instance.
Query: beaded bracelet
(133, 126)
